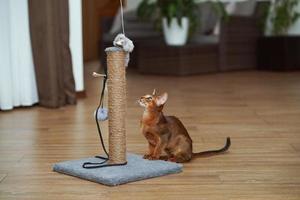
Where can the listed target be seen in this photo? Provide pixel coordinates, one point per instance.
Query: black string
(93, 165)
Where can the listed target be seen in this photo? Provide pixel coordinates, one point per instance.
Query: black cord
(93, 165)
(96, 116)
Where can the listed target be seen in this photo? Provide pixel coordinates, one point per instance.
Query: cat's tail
(214, 152)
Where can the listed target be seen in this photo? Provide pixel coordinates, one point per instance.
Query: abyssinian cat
(167, 137)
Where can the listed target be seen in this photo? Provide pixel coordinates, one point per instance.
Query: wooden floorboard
(2, 176)
(260, 111)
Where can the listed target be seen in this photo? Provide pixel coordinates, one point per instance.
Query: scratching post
(115, 172)
(116, 84)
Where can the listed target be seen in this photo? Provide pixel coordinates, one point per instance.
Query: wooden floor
(260, 111)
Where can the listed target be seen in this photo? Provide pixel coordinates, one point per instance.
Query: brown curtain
(49, 28)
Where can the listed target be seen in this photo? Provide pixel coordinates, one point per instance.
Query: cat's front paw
(165, 158)
(146, 156)
(153, 158)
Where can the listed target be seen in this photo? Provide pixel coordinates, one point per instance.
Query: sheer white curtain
(17, 77)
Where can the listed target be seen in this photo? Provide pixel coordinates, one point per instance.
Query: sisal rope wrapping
(116, 84)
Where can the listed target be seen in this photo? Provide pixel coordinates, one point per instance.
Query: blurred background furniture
(233, 48)
(155, 57)
(238, 43)
(279, 53)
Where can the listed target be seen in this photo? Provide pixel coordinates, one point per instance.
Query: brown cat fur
(167, 137)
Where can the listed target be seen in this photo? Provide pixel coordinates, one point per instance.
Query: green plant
(263, 13)
(156, 10)
(220, 10)
(284, 15)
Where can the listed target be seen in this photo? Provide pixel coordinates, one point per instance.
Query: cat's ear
(161, 100)
(154, 92)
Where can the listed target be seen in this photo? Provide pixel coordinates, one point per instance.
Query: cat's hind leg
(179, 155)
(180, 151)
(181, 158)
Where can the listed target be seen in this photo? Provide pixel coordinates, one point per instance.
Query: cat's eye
(149, 98)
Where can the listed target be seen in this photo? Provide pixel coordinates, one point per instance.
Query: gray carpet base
(136, 169)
